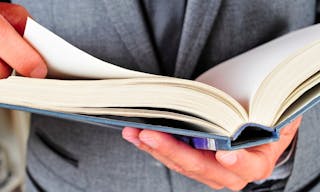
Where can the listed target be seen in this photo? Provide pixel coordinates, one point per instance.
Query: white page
(241, 76)
(65, 60)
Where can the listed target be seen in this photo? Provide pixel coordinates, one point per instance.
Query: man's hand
(231, 169)
(15, 52)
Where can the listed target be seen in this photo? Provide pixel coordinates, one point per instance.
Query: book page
(301, 96)
(195, 104)
(66, 61)
(242, 75)
(300, 103)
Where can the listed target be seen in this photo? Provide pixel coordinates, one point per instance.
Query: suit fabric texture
(73, 157)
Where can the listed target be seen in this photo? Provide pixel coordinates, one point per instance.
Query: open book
(242, 102)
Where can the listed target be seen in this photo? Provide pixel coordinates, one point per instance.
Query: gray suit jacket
(69, 156)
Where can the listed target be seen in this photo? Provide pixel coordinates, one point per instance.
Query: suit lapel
(198, 22)
(129, 22)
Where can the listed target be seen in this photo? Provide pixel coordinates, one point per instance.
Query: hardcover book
(240, 103)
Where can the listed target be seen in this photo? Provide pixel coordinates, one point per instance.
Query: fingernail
(131, 139)
(151, 142)
(229, 157)
(39, 72)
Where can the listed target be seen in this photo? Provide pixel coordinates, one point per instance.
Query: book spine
(198, 143)
(204, 143)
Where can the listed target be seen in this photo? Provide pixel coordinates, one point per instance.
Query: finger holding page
(16, 15)
(14, 50)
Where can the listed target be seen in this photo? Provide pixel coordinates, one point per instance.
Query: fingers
(15, 52)
(258, 162)
(18, 54)
(250, 166)
(196, 164)
(5, 70)
(232, 169)
(16, 15)
(131, 135)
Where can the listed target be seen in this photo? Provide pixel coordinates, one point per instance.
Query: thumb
(247, 165)
(258, 162)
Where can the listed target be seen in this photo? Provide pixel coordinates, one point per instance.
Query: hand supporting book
(231, 169)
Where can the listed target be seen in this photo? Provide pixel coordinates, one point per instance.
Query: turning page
(65, 60)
